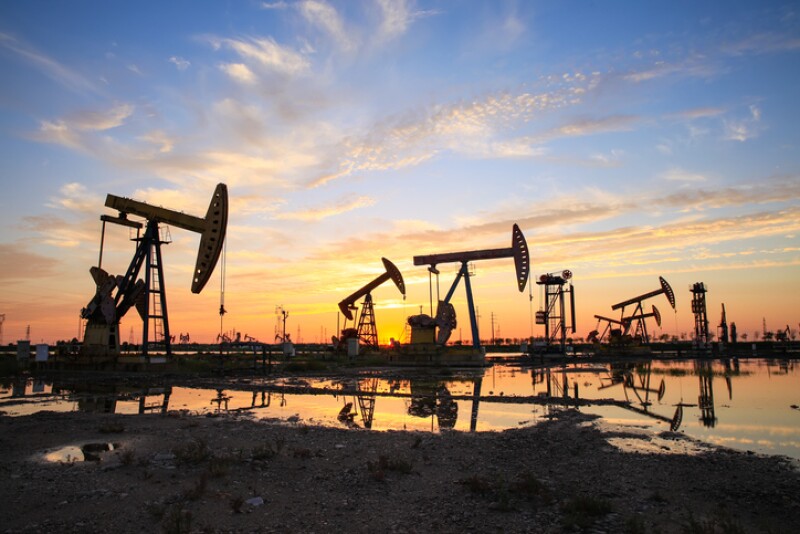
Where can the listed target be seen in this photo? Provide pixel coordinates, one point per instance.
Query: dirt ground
(182, 473)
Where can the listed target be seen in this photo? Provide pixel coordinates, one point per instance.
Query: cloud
(179, 62)
(680, 175)
(266, 54)
(100, 120)
(239, 72)
(48, 66)
(323, 16)
(396, 18)
(590, 126)
(317, 214)
(74, 131)
(745, 128)
(481, 128)
(696, 113)
(763, 43)
(75, 197)
(696, 66)
(57, 232)
(274, 5)
(158, 137)
(18, 263)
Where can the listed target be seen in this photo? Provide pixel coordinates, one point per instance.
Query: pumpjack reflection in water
(433, 399)
(634, 379)
(364, 399)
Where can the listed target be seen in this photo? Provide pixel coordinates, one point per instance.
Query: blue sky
(627, 139)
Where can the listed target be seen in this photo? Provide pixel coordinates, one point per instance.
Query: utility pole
(493, 338)
(2, 320)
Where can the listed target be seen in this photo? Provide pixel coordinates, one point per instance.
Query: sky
(628, 140)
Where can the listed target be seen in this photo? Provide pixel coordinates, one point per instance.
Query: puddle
(642, 440)
(89, 452)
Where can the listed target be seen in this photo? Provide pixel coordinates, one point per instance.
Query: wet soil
(185, 473)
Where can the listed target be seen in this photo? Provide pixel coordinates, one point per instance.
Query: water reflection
(695, 397)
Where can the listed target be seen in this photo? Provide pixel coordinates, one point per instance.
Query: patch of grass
(236, 504)
(176, 520)
(111, 427)
(584, 510)
(477, 484)
(302, 453)
(127, 457)
(527, 485)
(716, 525)
(198, 489)
(268, 451)
(194, 451)
(634, 524)
(378, 469)
(218, 466)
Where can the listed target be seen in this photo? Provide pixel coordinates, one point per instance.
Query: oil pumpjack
(367, 331)
(621, 336)
(638, 316)
(429, 332)
(107, 307)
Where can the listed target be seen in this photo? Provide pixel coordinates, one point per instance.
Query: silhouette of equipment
(104, 311)
(445, 320)
(367, 330)
(638, 316)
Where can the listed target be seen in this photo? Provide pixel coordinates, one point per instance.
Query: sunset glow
(627, 140)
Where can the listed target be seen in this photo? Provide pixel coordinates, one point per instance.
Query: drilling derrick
(115, 295)
(700, 316)
(553, 315)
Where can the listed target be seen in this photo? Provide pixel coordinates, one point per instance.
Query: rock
(255, 501)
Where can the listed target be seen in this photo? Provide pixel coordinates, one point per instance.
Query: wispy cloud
(696, 113)
(680, 175)
(397, 17)
(239, 72)
(696, 66)
(48, 66)
(74, 130)
(19, 263)
(323, 16)
(324, 212)
(744, 128)
(179, 62)
(481, 128)
(266, 54)
(763, 43)
(75, 197)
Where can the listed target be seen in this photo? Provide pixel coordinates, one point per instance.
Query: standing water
(744, 404)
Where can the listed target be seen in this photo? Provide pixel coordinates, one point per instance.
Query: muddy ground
(184, 473)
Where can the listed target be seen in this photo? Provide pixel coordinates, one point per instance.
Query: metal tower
(555, 288)
(700, 316)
